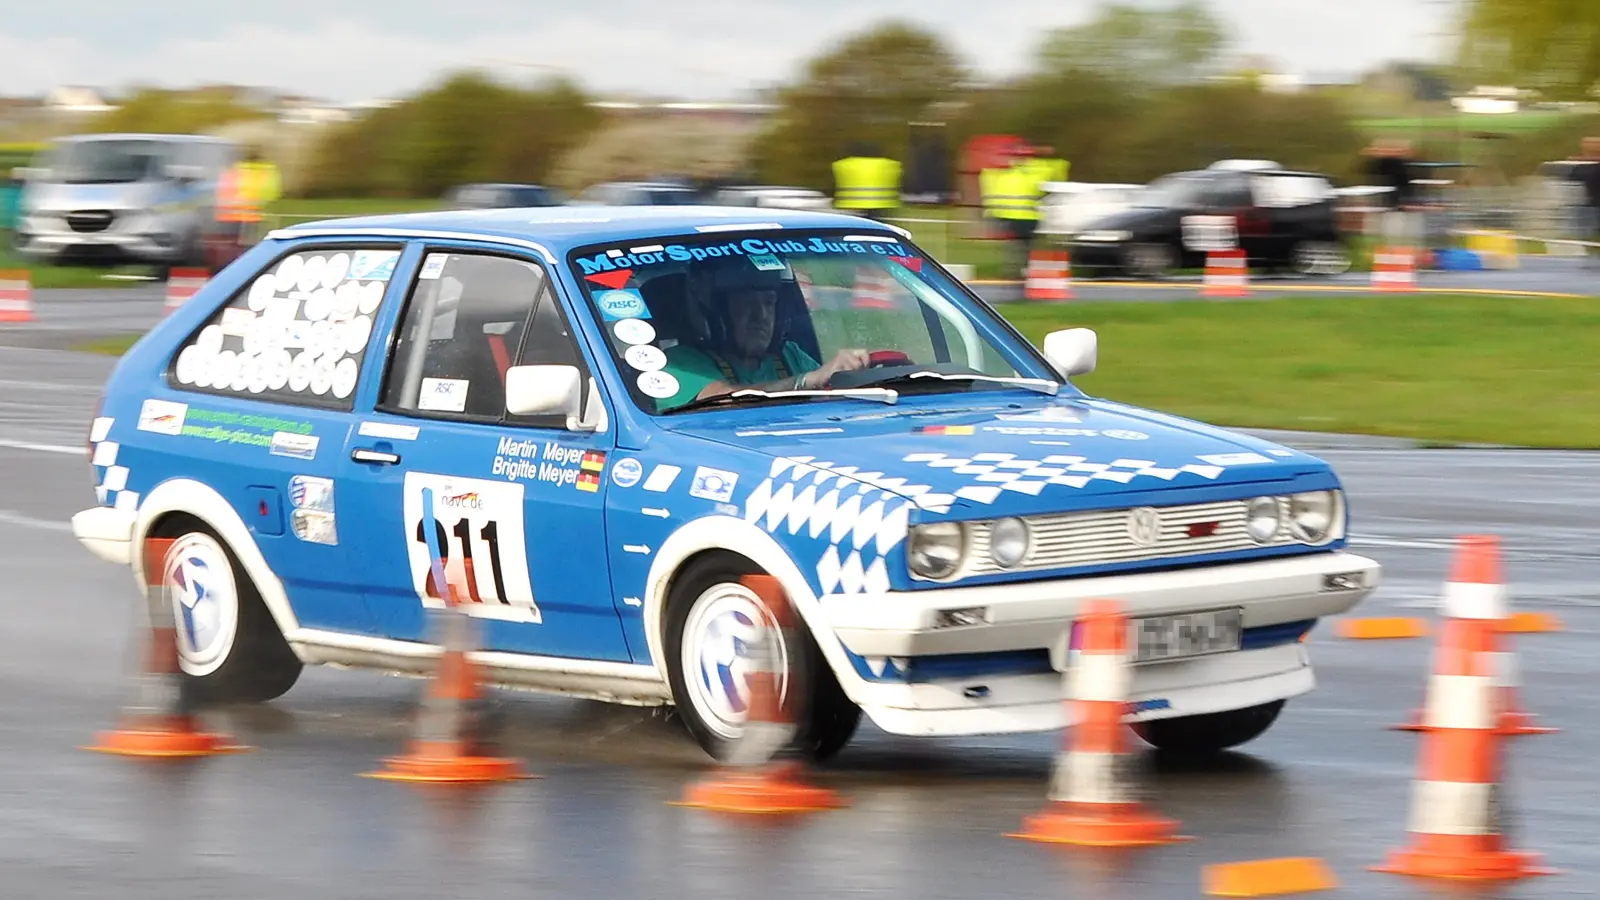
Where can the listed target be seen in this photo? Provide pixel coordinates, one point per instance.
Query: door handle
(374, 456)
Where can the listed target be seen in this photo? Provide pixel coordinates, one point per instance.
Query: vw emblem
(1144, 526)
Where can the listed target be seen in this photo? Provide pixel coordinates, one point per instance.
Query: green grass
(1438, 368)
(49, 277)
(1443, 369)
(1521, 121)
(111, 346)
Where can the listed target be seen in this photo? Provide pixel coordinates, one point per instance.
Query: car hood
(49, 197)
(1016, 457)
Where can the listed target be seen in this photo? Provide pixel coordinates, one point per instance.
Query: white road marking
(14, 518)
(44, 448)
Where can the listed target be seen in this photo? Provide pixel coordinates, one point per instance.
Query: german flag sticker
(589, 481)
(593, 461)
(944, 429)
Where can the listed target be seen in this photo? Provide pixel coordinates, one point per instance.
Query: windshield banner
(762, 252)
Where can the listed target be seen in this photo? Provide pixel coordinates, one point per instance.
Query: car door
(515, 504)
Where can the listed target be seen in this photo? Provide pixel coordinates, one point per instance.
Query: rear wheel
(1210, 733)
(711, 621)
(228, 643)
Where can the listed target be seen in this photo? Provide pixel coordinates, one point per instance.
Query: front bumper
(107, 532)
(40, 238)
(1038, 615)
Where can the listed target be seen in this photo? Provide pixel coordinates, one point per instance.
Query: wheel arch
(703, 537)
(179, 498)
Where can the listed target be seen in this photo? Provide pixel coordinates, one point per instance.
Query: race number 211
(478, 530)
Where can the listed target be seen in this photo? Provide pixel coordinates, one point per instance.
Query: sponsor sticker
(433, 267)
(622, 304)
(443, 394)
(627, 472)
(646, 358)
(309, 492)
(634, 331)
(371, 265)
(162, 416)
(295, 446)
(944, 429)
(713, 484)
(766, 262)
(659, 385)
(661, 478)
(389, 430)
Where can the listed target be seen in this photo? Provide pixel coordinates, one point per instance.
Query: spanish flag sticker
(944, 429)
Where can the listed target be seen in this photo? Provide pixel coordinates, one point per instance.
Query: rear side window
(297, 334)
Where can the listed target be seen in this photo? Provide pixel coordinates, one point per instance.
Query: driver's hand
(850, 360)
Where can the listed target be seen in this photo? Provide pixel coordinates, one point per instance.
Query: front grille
(89, 221)
(1101, 537)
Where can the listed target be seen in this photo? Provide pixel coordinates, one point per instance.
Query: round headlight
(1261, 519)
(936, 550)
(1311, 515)
(1008, 542)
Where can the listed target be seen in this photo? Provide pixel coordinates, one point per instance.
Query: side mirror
(543, 391)
(1073, 351)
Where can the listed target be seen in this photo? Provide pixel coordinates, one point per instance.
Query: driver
(749, 352)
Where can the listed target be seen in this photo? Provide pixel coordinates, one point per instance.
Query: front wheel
(1326, 258)
(228, 644)
(712, 620)
(1210, 733)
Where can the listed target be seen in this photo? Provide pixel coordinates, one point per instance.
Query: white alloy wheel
(197, 579)
(719, 635)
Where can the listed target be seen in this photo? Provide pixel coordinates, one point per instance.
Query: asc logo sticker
(622, 305)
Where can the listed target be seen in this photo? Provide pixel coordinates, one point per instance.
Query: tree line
(1131, 94)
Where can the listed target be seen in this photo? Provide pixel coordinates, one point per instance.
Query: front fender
(719, 532)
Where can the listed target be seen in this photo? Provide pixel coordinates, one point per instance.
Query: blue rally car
(608, 416)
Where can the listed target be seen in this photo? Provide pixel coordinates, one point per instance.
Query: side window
(297, 334)
(464, 322)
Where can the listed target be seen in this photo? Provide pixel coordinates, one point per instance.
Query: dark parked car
(1284, 220)
(639, 193)
(502, 196)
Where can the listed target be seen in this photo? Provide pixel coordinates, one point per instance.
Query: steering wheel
(878, 359)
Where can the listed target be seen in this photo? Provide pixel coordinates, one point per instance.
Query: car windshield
(687, 318)
(108, 161)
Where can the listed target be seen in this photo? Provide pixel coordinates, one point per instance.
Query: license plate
(1163, 638)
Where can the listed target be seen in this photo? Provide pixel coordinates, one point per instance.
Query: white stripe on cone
(1104, 677)
(1474, 601)
(1455, 808)
(1092, 778)
(1461, 701)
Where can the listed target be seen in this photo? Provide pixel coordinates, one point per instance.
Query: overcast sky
(351, 50)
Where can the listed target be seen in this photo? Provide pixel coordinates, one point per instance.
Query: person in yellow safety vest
(867, 182)
(1048, 167)
(1011, 196)
(244, 191)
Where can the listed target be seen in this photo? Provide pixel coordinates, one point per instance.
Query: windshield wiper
(881, 395)
(1038, 385)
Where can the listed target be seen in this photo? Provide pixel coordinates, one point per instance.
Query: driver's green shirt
(695, 368)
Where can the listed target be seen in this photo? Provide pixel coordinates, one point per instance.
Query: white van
(122, 198)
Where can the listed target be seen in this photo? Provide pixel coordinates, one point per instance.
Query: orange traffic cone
(1227, 274)
(182, 284)
(1394, 270)
(1455, 803)
(16, 296)
(1049, 276)
(1092, 798)
(761, 776)
(160, 721)
(1476, 590)
(449, 745)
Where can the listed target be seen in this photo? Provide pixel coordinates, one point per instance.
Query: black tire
(1211, 733)
(256, 664)
(828, 719)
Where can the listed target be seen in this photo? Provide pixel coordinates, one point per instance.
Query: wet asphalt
(927, 818)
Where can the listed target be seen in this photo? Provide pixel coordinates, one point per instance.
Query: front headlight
(936, 550)
(1313, 516)
(1261, 519)
(1008, 542)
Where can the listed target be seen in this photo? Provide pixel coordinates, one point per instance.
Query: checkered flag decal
(992, 474)
(111, 480)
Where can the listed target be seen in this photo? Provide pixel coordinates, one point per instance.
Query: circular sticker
(342, 303)
(659, 385)
(187, 362)
(320, 338)
(261, 293)
(356, 332)
(344, 378)
(621, 304)
(319, 304)
(645, 357)
(634, 331)
(288, 274)
(311, 273)
(337, 268)
(278, 370)
(210, 339)
(260, 373)
(202, 365)
(322, 377)
(626, 472)
(223, 369)
(300, 372)
(243, 372)
(371, 296)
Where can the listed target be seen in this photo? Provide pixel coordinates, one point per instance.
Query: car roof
(560, 229)
(144, 136)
